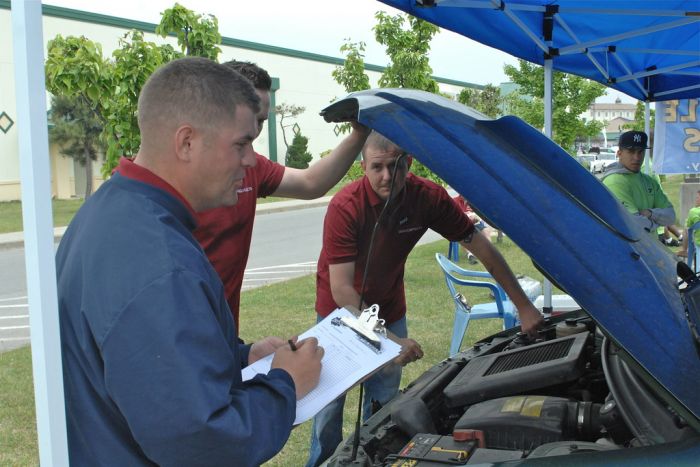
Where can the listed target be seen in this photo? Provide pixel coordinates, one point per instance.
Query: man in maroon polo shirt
(416, 205)
(225, 233)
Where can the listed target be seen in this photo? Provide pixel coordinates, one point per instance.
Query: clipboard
(348, 357)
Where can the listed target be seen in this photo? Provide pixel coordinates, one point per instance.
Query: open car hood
(558, 213)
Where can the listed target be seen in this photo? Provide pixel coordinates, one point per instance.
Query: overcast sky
(319, 26)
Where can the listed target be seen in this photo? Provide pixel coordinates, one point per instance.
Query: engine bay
(507, 398)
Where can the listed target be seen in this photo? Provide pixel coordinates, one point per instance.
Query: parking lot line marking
(10, 299)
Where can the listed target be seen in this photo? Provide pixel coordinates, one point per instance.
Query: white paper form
(347, 359)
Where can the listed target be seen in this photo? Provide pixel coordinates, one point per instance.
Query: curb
(16, 239)
(291, 205)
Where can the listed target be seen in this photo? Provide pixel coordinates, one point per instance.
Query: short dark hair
(195, 90)
(256, 75)
(378, 141)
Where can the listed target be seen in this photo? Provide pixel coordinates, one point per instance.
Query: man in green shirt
(639, 193)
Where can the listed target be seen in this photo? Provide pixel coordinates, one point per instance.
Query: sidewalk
(16, 239)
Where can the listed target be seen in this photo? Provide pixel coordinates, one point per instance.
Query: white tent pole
(647, 126)
(546, 285)
(35, 171)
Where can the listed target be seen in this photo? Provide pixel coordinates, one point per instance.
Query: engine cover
(518, 371)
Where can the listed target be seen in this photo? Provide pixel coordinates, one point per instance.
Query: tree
(407, 41)
(197, 35)
(76, 128)
(488, 101)
(352, 74)
(638, 123)
(75, 67)
(408, 50)
(286, 111)
(572, 95)
(298, 155)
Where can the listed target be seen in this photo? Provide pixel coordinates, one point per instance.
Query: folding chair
(502, 307)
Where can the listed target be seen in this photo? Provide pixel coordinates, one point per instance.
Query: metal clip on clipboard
(367, 326)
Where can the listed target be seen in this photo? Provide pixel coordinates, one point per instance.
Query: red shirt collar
(129, 169)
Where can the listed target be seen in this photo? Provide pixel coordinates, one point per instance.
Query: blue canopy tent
(649, 50)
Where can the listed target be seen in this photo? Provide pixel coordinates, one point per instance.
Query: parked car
(606, 157)
(587, 159)
(614, 383)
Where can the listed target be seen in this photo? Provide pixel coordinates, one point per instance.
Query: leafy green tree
(197, 35)
(408, 48)
(488, 101)
(76, 70)
(638, 123)
(75, 67)
(572, 95)
(298, 155)
(352, 74)
(76, 129)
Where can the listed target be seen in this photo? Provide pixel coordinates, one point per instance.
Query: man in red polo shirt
(225, 233)
(416, 205)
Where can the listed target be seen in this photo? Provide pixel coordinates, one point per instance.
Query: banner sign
(677, 137)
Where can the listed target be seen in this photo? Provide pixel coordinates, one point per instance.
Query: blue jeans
(327, 428)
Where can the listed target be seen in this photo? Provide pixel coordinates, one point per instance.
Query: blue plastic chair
(453, 252)
(693, 251)
(502, 307)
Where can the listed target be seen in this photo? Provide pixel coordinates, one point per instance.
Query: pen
(291, 345)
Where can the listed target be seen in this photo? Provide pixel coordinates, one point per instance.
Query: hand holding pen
(302, 360)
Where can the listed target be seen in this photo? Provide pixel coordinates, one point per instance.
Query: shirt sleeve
(269, 176)
(662, 211)
(176, 379)
(448, 219)
(340, 234)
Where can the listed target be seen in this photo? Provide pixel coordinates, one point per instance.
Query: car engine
(507, 398)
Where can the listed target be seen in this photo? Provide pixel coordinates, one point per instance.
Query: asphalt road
(285, 245)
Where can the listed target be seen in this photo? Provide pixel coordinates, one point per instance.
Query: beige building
(606, 111)
(614, 115)
(299, 78)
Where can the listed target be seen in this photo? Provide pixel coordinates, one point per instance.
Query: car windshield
(607, 156)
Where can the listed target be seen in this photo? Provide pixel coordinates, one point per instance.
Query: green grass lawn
(11, 213)
(281, 309)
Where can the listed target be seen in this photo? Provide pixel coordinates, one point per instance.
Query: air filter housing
(518, 371)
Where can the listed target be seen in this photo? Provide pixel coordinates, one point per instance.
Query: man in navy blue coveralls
(152, 366)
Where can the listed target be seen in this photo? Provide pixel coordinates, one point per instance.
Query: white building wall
(9, 161)
(305, 80)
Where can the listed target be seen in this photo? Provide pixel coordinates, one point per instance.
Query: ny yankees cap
(633, 139)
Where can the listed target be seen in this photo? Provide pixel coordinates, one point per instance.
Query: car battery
(426, 450)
